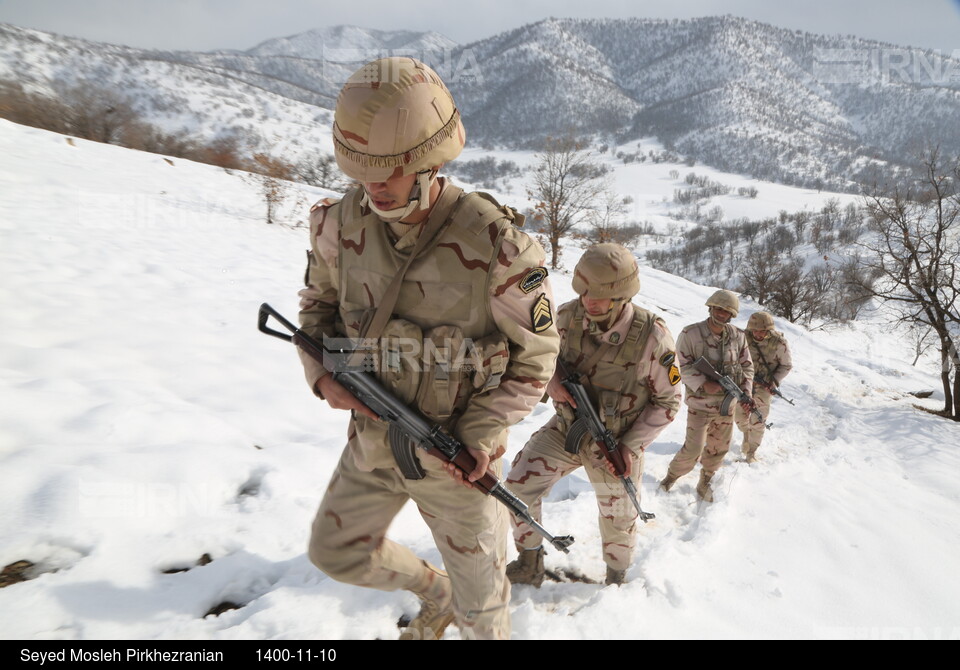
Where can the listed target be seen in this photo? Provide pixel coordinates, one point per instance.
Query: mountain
(739, 95)
(736, 94)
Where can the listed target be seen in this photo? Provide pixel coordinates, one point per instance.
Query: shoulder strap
(443, 211)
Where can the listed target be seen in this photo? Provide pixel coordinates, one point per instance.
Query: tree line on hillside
(103, 114)
(901, 245)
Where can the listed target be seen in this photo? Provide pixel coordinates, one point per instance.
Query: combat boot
(703, 487)
(750, 456)
(667, 483)
(615, 577)
(436, 606)
(527, 568)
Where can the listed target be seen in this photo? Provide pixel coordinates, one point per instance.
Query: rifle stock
(424, 433)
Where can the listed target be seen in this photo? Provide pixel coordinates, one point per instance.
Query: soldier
(771, 363)
(709, 416)
(626, 355)
(432, 272)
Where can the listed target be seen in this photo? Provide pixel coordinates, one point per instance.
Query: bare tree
(915, 252)
(320, 170)
(567, 183)
(606, 219)
(759, 273)
(273, 178)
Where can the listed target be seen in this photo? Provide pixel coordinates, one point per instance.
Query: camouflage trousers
(543, 462)
(349, 543)
(751, 427)
(707, 440)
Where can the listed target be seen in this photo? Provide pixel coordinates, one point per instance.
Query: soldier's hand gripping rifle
(588, 420)
(773, 388)
(425, 434)
(730, 386)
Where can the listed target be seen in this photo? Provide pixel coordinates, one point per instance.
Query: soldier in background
(771, 363)
(428, 271)
(625, 355)
(709, 411)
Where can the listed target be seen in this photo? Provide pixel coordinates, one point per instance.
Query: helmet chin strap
(423, 185)
(597, 320)
(712, 319)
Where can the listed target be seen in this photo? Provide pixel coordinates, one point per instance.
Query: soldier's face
(596, 306)
(720, 314)
(391, 194)
(758, 335)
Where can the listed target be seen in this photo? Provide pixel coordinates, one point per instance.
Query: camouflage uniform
(470, 343)
(708, 430)
(466, 285)
(632, 387)
(772, 362)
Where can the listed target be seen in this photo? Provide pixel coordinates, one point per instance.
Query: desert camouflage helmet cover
(395, 117)
(725, 300)
(760, 321)
(607, 271)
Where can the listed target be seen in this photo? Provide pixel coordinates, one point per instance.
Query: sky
(203, 25)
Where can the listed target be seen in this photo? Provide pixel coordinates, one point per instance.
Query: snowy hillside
(148, 427)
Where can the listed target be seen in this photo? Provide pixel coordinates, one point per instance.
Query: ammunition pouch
(491, 354)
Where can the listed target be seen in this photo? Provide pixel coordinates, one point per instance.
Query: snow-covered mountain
(739, 95)
(161, 459)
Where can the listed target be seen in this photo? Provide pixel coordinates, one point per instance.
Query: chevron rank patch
(533, 279)
(667, 361)
(541, 317)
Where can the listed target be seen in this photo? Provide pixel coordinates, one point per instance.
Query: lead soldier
(411, 260)
(626, 355)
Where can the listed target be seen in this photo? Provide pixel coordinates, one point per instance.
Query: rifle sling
(402, 447)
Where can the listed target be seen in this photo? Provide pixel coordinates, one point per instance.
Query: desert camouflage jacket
(727, 352)
(635, 384)
(472, 342)
(771, 356)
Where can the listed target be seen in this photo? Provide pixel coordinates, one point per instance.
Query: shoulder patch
(667, 359)
(533, 279)
(541, 316)
(674, 373)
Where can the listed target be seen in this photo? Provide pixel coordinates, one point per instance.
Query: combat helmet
(396, 117)
(725, 300)
(607, 270)
(760, 321)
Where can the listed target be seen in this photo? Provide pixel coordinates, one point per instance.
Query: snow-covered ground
(146, 423)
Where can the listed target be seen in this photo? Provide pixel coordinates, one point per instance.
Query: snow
(146, 423)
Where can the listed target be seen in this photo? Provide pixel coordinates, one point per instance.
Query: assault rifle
(422, 432)
(775, 390)
(730, 386)
(589, 421)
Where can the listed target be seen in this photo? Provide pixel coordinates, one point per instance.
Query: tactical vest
(442, 346)
(616, 386)
(726, 360)
(764, 354)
